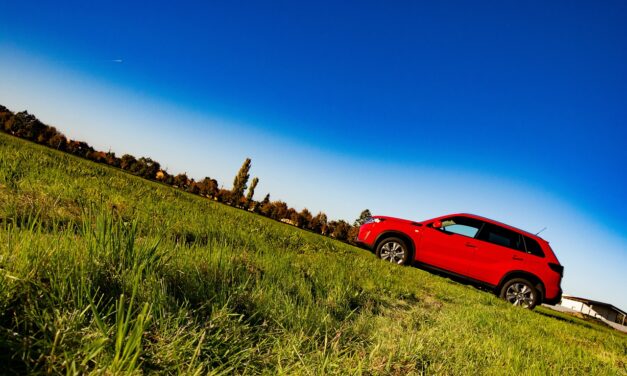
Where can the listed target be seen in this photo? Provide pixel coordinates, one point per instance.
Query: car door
(498, 251)
(450, 246)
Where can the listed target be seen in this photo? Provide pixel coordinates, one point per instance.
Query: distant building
(596, 309)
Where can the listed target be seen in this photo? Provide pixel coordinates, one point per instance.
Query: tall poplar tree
(251, 189)
(241, 179)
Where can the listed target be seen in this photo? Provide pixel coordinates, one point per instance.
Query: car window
(533, 247)
(501, 236)
(462, 226)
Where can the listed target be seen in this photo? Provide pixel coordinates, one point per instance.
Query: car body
(519, 266)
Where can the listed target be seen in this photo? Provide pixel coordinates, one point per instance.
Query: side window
(533, 247)
(461, 226)
(501, 236)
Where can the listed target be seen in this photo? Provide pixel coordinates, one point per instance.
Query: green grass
(103, 272)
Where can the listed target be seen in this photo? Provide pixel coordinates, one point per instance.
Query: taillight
(559, 269)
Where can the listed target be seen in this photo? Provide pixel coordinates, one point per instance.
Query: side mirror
(437, 224)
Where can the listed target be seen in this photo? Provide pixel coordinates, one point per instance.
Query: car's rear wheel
(520, 292)
(394, 250)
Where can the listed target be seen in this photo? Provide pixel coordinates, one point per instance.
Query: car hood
(386, 218)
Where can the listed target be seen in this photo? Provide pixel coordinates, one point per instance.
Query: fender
(398, 234)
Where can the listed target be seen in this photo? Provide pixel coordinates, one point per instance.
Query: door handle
(470, 245)
(517, 258)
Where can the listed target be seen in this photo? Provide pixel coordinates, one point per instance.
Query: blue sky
(514, 111)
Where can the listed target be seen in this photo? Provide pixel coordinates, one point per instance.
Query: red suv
(520, 267)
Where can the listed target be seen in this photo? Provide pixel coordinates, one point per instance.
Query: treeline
(27, 126)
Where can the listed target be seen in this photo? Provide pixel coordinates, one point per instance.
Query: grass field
(103, 272)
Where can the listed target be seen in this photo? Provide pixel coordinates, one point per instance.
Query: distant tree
(146, 168)
(279, 210)
(46, 134)
(80, 148)
(306, 218)
(240, 181)
(192, 187)
(266, 207)
(97, 156)
(168, 178)
(297, 219)
(181, 181)
(251, 189)
(266, 199)
(340, 230)
(5, 114)
(362, 218)
(319, 223)
(127, 162)
(58, 142)
(242, 203)
(353, 231)
(27, 126)
(7, 125)
(224, 195)
(112, 160)
(291, 214)
(208, 187)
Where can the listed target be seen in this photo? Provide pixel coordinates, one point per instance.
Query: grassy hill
(104, 272)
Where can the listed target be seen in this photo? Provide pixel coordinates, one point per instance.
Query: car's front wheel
(394, 250)
(520, 292)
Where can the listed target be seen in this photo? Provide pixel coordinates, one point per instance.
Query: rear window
(533, 247)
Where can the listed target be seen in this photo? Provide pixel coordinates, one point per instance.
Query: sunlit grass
(103, 272)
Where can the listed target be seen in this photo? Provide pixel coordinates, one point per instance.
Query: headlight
(372, 220)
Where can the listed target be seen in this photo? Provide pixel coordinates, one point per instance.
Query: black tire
(520, 292)
(394, 250)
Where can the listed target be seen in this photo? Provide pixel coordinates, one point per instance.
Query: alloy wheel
(393, 251)
(519, 294)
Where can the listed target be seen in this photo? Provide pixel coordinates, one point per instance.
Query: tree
(208, 187)
(180, 180)
(279, 210)
(362, 218)
(319, 223)
(292, 215)
(80, 148)
(306, 218)
(240, 181)
(112, 160)
(192, 187)
(297, 219)
(147, 168)
(352, 234)
(266, 199)
(340, 230)
(58, 141)
(127, 162)
(265, 206)
(224, 195)
(251, 189)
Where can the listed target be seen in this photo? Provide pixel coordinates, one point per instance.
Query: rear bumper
(556, 299)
